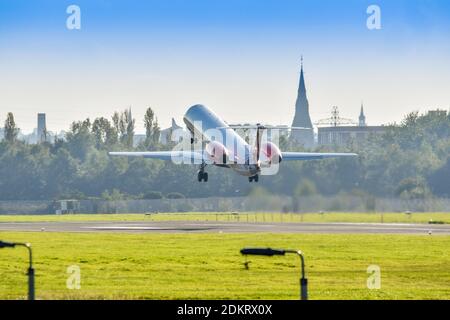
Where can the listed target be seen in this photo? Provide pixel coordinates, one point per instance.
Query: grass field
(242, 217)
(209, 266)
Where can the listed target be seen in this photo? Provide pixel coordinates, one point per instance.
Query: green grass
(242, 217)
(209, 266)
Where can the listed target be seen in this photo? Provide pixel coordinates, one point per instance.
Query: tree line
(410, 160)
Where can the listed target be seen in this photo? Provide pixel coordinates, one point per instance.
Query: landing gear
(202, 175)
(254, 178)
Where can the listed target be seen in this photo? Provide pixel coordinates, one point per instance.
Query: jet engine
(269, 153)
(217, 152)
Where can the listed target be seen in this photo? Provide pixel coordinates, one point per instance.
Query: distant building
(41, 128)
(282, 131)
(41, 134)
(302, 117)
(345, 134)
(437, 113)
(138, 139)
(271, 134)
(342, 135)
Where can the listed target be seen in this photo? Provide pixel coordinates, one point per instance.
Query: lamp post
(30, 273)
(281, 252)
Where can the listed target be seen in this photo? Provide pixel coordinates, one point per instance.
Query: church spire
(302, 118)
(362, 117)
(302, 87)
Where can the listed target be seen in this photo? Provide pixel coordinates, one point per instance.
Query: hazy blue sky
(240, 57)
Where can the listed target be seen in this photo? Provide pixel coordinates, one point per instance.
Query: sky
(239, 57)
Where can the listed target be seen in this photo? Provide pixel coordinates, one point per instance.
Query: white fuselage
(206, 126)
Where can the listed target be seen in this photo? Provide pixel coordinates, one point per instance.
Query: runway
(226, 227)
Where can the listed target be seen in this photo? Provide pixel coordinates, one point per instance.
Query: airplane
(222, 146)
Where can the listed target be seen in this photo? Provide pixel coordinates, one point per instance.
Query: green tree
(152, 130)
(114, 195)
(63, 173)
(105, 134)
(412, 188)
(79, 139)
(439, 180)
(116, 121)
(126, 128)
(151, 195)
(10, 129)
(305, 188)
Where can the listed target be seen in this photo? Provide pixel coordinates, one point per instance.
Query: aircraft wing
(290, 156)
(175, 156)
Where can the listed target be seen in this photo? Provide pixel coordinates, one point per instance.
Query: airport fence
(266, 203)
